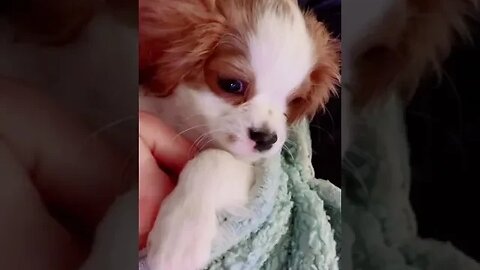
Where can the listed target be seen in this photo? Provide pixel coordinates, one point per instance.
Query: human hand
(162, 155)
(57, 181)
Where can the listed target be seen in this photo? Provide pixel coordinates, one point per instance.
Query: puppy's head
(245, 69)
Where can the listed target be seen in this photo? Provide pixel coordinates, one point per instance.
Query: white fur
(281, 55)
(186, 224)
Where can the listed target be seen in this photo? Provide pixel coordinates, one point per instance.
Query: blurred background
(443, 122)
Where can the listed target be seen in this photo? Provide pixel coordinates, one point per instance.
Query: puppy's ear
(176, 39)
(375, 69)
(315, 92)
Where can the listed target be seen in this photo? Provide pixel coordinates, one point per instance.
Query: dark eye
(232, 86)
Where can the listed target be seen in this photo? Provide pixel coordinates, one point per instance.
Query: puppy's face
(242, 71)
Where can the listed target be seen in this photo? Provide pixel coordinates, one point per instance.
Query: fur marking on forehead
(281, 52)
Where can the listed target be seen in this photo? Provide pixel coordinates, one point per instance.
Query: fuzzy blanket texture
(379, 226)
(295, 221)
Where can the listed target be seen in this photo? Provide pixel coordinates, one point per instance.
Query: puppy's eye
(232, 86)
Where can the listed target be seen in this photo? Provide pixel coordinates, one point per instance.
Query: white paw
(182, 237)
(186, 225)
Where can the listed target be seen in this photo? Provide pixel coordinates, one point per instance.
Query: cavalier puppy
(231, 76)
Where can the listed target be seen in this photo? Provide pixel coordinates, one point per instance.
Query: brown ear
(176, 39)
(323, 79)
(376, 68)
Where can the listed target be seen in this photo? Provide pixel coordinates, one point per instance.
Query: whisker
(288, 151)
(129, 160)
(205, 145)
(198, 142)
(458, 99)
(193, 115)
(107, 127)
(289, 141)
(324, 130)
(191, 150)
(186, 130)
(348, 165)
(330, 116)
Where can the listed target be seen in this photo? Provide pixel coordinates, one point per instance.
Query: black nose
(263, 138)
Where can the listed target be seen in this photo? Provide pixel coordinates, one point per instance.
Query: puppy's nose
(263, 138)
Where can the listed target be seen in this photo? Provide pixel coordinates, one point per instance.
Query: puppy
(231, 76)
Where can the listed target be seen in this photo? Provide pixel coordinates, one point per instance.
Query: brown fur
(190, 41)
(402, 52)
(228, 62)
(176, 40)
(315, 92)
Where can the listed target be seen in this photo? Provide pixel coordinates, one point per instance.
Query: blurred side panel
(68, 134)
(410, 124)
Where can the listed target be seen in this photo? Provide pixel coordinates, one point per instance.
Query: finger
(55, 147)
(154, 186)
(169, 149)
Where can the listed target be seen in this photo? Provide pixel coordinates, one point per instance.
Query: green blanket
(296, 220)
(304, 225)
(379, 226)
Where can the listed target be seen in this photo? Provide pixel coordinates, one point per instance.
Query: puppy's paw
(181, 238)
